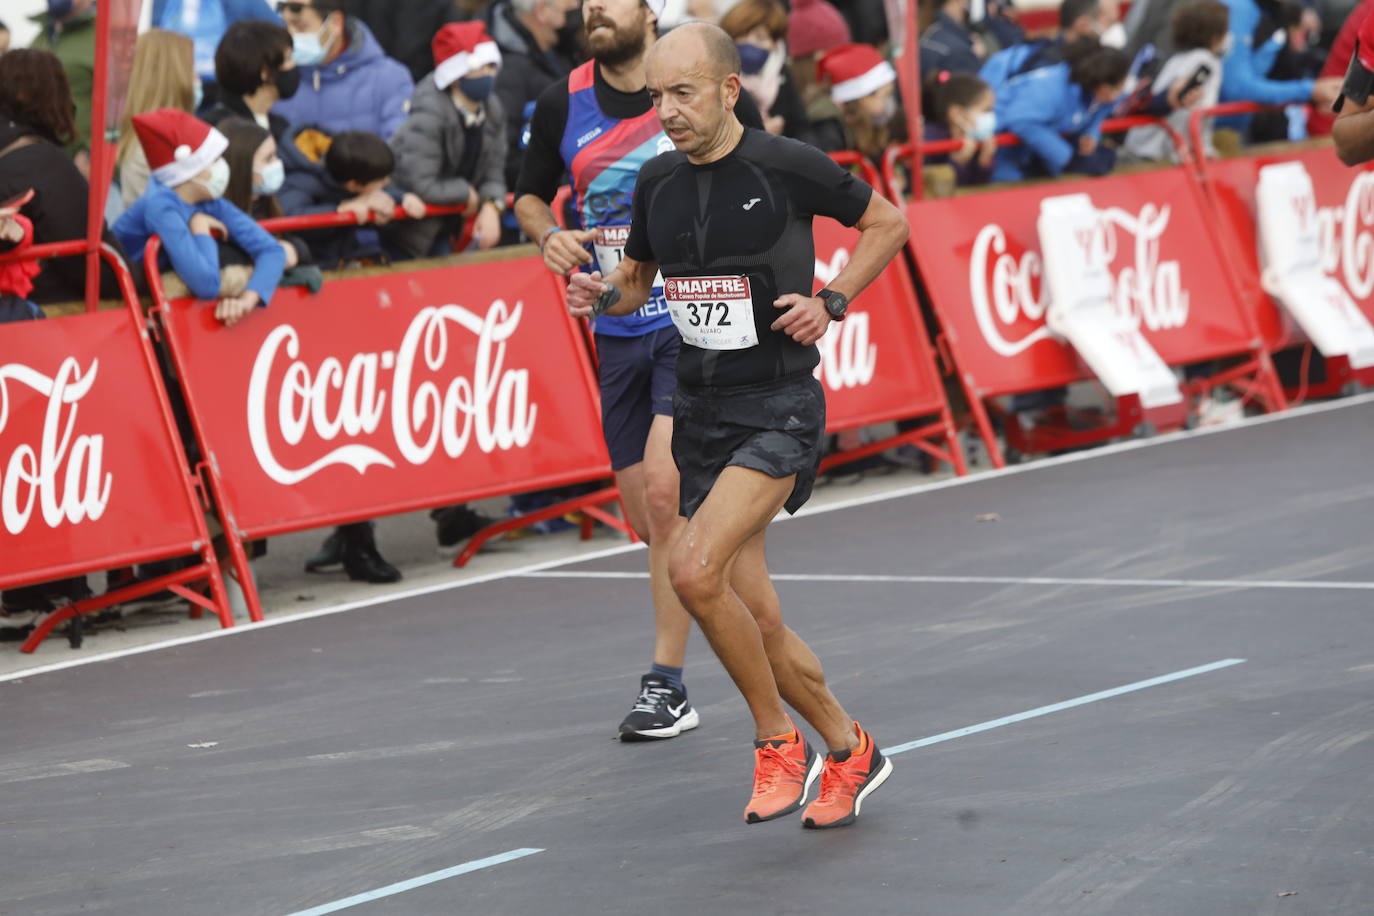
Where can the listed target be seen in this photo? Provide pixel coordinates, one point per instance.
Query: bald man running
(727, 219)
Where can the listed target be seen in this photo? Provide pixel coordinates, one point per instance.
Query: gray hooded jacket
(429, 148)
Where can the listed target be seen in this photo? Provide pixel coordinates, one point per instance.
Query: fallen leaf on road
(205, 744)
(988, 517)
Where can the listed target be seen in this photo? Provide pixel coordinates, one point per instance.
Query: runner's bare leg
(649, 491)
(740, 505)
(797, 670)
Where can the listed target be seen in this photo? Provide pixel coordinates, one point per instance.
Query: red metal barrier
(94, 475)
(876, 365)
(978, 255)
(1345, 213)
(443, 385)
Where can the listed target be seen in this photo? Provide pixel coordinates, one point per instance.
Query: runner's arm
(1353, 132)
(541, 171)
(883, 230)
(628, 286)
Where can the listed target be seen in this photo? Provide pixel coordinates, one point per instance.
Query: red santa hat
(179, 146)
(460, 48)
(854, 71)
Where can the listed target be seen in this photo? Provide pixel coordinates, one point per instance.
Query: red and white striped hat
(854, 71)
(179, 146)
(460, 48)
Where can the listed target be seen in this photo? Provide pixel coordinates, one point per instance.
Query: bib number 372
(713, 313)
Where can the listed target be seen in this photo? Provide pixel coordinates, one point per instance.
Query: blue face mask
(984, 126)
(59, 9)
(273, 177)
(307, 49)
(477, 88)
(752, 58)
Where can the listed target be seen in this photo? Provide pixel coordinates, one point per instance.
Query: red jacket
(16, 277)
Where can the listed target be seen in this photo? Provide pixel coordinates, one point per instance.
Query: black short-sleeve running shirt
(737, 231)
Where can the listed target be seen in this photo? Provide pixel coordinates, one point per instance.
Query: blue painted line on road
(401, 887)
(1059, 707)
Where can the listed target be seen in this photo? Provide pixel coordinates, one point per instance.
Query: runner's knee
(660, 498)
(696, 580)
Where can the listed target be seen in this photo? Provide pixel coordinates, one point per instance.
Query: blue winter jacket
(211, 18)
(195, 258)
(361, 89)
(1040, 106)
(1243, 70)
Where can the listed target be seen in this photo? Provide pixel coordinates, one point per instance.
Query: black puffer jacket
(430, 146)
(526, 70)
(57, 211)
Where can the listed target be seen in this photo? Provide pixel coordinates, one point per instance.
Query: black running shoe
(660, 712)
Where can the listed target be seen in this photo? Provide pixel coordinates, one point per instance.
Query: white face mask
(1114, 37)
(219, 179)
(273, 176)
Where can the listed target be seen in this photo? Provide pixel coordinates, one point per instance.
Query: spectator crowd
(241, 110)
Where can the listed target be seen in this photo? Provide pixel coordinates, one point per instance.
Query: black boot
(458, 523)
(329, 554)
(361, 560)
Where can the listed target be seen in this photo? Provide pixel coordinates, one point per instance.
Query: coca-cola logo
(848, 358)
(1008, 296)
(63, 475)
(1347, 245)
(428, 403)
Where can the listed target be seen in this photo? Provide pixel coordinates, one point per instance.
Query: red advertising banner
(980, 258)
(90, 476)
(876, 365)
(388, 393)
(1345, 217)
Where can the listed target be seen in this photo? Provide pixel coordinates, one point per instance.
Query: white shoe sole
(811, 776)
(878, 780)
(688, 722)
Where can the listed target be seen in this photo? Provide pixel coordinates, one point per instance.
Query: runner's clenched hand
(583, 291)
(563, 252)
(804, 321)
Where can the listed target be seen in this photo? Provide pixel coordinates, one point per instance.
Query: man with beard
(727, 217)
(599, 126)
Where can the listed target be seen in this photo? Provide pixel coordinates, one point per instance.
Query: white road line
(28, 772)
(403, 886)
(1057, 707)
(1317, 584)
(806, 511)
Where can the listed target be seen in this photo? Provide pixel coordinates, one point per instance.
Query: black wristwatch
(836, 303)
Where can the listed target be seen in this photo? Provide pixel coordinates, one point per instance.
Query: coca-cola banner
(1345, 220)
(391, 392)
(980, 258)
(876, 364)
(90, 477)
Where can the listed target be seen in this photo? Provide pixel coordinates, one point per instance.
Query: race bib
(609, 248)
(713, 313)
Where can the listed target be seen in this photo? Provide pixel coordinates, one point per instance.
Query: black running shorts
(637, 377)
(777, 428)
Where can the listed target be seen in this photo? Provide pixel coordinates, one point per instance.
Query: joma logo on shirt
(588, 137)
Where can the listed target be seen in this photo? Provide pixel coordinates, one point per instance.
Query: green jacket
(74, 45)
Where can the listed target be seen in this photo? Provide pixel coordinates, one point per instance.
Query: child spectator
(256, 174)
(864, 86)
(347, 83)
(347, 173)
(1043, 104)
(163, 76)
(451, 150)
(1200, 36)
(35, 121)
(184, 206)
(959, 106)
(255, 70)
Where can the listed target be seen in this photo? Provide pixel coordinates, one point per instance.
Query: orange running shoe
(784, 769)
(846, 780)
